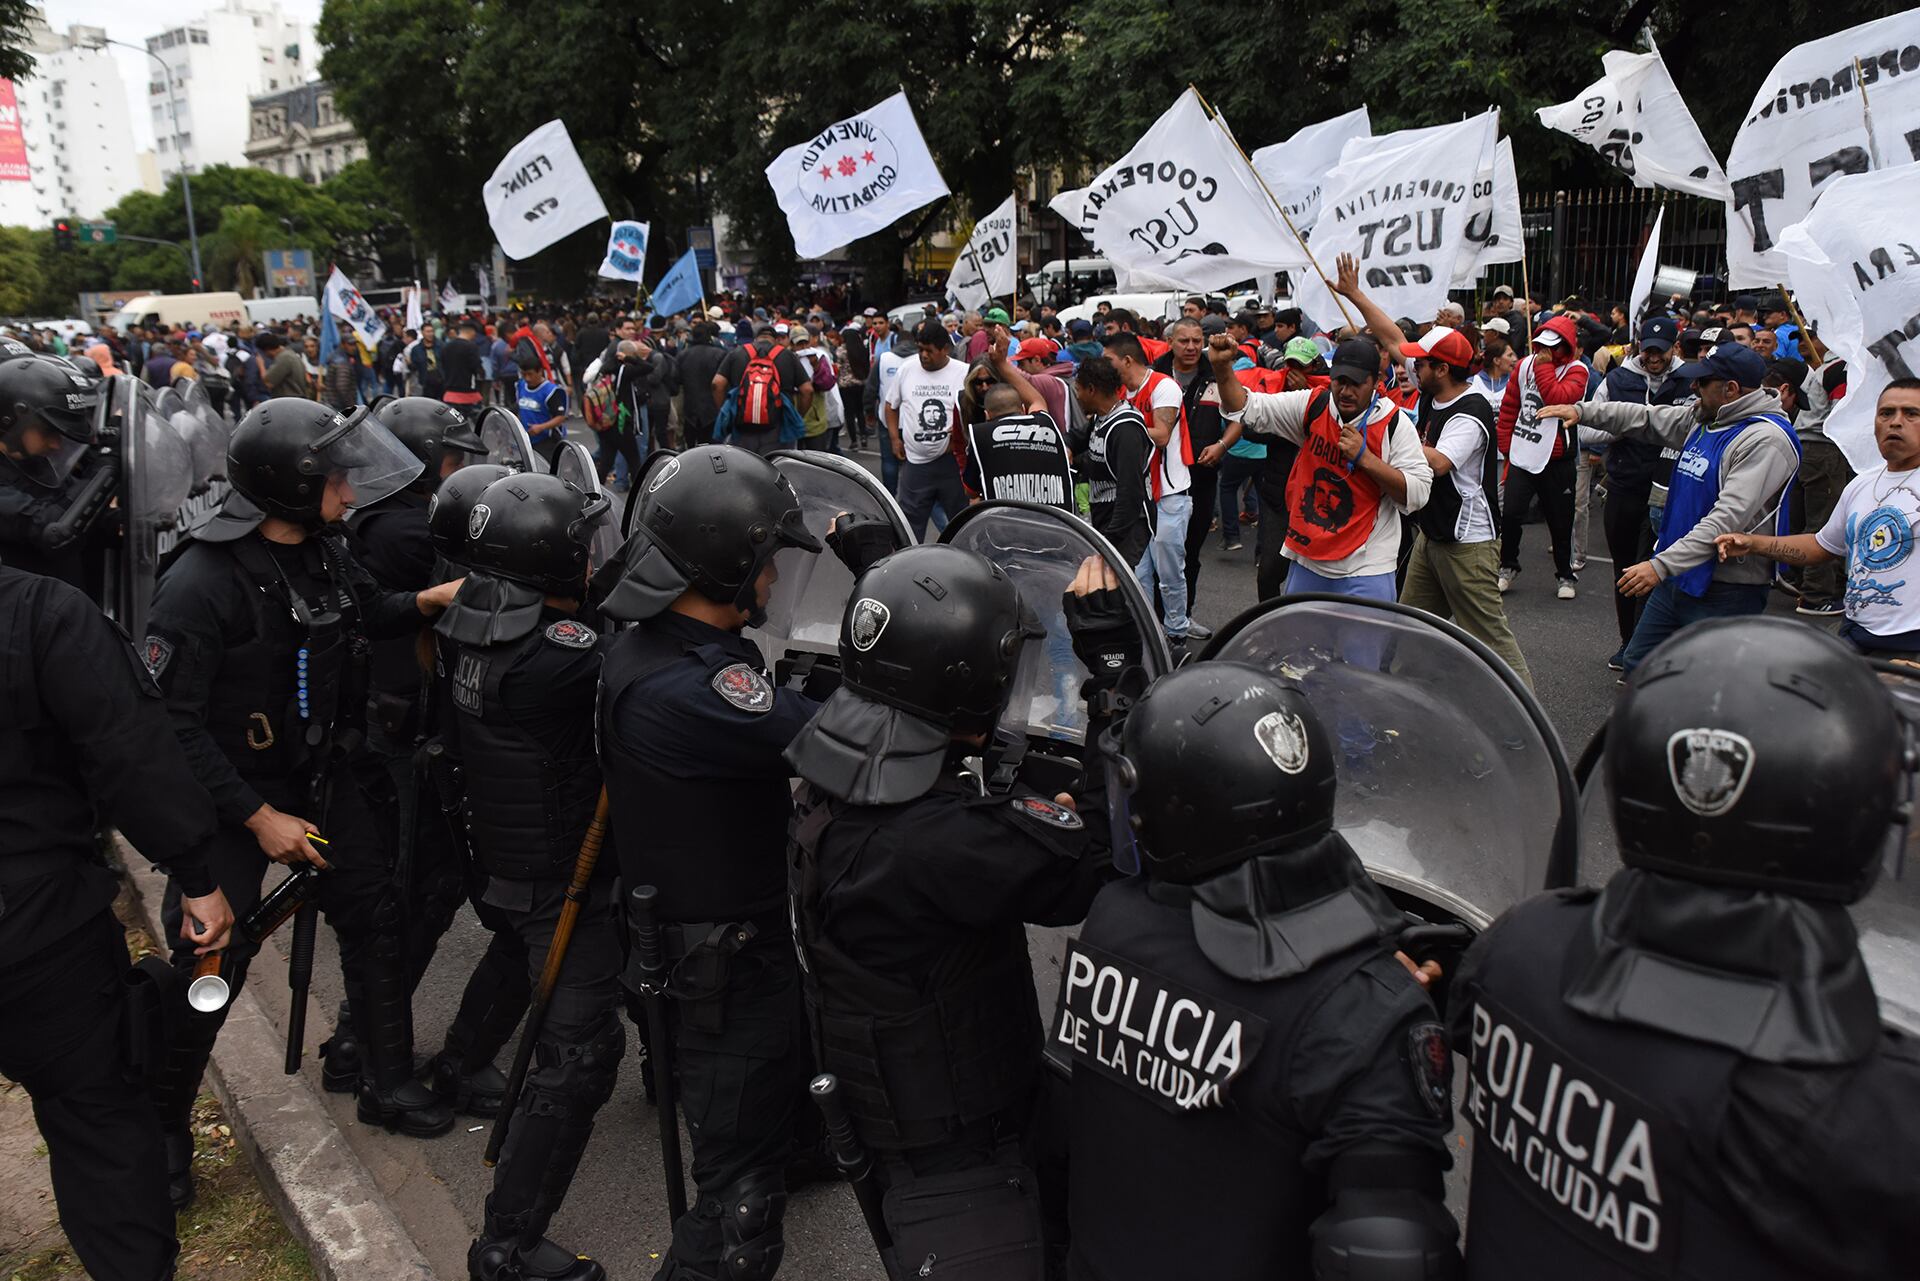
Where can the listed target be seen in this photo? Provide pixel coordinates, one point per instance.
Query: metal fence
(1588, 243)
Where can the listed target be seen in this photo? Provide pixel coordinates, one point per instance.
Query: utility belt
(699, 957)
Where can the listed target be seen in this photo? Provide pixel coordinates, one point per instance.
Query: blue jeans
(1369, 586)
(1165, 564)
(1235, 473)
(1669, 609)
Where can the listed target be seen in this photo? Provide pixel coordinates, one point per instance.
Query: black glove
(861, 541)
(1105, 637)
(54, 535)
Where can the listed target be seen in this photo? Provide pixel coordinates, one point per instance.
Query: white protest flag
(414, 319)
(1296, 169)
(1405, 213)
(1633, 116)
(1854, 268)
(1183, 206)
(344, 301)
(984, 268)
(1806, 128)
(1644, 273)
(1494, 226)
(449, 298)
(855, 177)
(626, 251)
(540, 192)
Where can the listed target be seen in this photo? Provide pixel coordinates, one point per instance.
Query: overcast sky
(134, 21)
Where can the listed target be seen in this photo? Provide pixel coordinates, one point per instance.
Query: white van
(180, 311)
(274, 311)
(1153, 306)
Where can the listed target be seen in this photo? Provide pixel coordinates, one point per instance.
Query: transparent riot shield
(574, 465)
(1454, 788)
(186, 408)
(1888, 918)
(506, 441)
(810, 595)
(156, 474)
(1042, 548)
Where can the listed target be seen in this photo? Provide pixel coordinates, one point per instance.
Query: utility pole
(186, 186)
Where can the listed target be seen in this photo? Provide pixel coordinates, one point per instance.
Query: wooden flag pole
(1866, 116)
(1526, 287)
(1338, 301)
(1793, 309)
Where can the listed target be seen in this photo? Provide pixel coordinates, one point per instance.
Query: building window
(198, 37)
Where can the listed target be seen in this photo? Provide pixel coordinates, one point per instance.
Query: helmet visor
(372, 461)
(50, 459)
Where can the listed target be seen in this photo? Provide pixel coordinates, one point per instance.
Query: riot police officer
(1684, 1073)
(391, 540)
(525, 673)
(81, 726)
(912, 886)
(1260, 1088)
(496, 992)
(47, 413)
(258, 638)
(690, 739)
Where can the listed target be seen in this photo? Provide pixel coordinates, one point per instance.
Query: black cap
(1356, 360)
(1772, 303)
(1657, 334)
(1789, 371)
(1746, 302)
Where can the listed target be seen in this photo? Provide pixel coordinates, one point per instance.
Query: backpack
(825, 376)
(760, 401)
(597, 405)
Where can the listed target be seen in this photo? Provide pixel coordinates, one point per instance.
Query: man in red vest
(1360, 467)
(1169, 480)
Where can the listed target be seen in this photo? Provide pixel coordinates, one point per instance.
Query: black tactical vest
(918, 1056)
(527, 802)
(1594, 1142)
(279, 691)
(396, 663)
(1230, 1171)
(713, 847)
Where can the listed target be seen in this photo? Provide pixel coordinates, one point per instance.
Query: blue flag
(680, 288)
(329, 334)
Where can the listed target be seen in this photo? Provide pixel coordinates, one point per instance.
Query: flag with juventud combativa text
(855, 177)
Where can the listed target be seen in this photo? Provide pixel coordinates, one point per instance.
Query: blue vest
(532, 404)
(1695, 488)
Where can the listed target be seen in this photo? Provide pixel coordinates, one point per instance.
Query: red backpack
(760, 404)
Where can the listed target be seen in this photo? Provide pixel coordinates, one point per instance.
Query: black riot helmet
(14, 349)
(452, 506)
(431, 430)
(936, 631)
(536, 530)
(1759, 753)
(89, 367)
(284, 452)
(47, 414)
(710, 519)
(1216, 763)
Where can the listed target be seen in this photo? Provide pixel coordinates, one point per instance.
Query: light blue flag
(680, 288)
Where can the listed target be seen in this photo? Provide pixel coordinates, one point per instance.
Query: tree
(235, 253)
(16, 63)
(20, 279)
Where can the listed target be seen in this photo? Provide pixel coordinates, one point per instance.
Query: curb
(324, 1193)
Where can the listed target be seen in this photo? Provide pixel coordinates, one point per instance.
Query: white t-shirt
(929, 404)
(1168, 471)
(1873, 527)
(1464, 444)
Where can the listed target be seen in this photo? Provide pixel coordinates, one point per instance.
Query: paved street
(616, 1208)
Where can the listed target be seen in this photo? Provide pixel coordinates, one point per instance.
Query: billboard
(13, 143)
(290, 271)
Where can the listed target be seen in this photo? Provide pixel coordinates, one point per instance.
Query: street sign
(289, 271)
(700, 240)
(98, 233)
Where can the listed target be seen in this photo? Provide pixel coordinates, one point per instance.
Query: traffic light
(63, 235)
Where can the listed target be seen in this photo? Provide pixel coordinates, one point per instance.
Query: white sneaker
(1565, 591)
(1506, 578)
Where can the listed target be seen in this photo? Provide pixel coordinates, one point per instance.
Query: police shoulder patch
(1431, 1062)
(744, 687)
(156, 653)
(1047, 813)
(572, 634)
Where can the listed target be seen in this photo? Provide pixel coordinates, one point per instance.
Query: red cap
(1039, 349)
(1444, 344)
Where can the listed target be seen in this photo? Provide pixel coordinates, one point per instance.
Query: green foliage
(20, 278)
(15, 62)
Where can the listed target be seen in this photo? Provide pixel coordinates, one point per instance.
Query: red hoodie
(1562, 379)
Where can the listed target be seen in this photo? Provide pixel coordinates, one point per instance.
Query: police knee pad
(751, 1215)
(1387, 1220)
(575, 1075)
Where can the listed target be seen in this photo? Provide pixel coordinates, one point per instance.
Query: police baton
(855, 1165)
(651, 955)
(549, 976)
(306, 924)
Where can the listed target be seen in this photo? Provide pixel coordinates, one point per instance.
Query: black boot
(389, 1094)
(340, 1055)
(178, 1146)
(476, 1093)
(510, 1259)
